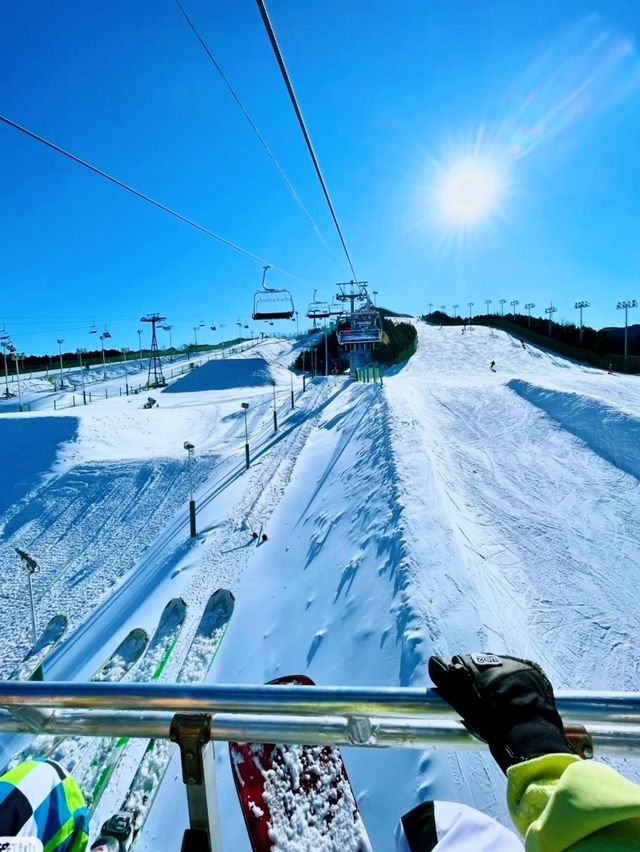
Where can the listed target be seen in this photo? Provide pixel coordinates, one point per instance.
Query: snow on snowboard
(121, 831)
(297, 798)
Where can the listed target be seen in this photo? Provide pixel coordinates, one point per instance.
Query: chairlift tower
(352, 292)
(155, 364)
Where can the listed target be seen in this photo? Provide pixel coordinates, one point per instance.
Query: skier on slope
(557, 800)
(492, 366)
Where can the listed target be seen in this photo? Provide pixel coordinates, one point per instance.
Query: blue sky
(394, 94)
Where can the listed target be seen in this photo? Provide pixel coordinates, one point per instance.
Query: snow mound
(223, 374)
(611, 433)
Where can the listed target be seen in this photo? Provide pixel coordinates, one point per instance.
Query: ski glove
(506, 701)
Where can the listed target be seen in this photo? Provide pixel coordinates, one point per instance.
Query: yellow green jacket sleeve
(560, 802)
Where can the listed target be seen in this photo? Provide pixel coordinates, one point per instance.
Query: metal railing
(358, 716)
(194, 717)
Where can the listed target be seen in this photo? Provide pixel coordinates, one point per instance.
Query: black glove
(505, 701)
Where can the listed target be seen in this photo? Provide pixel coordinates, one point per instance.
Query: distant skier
(492, 366)
(557, 800)
(522, 343)
(610, 369)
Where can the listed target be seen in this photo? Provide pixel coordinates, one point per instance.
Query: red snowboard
(296, 797)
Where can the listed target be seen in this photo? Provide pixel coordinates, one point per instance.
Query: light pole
(430, 307)
(5, 346)
(626, 304)
(551, 311)
(297, 325)
(275, 413)
(470, 306)
(222, 337)
(375, 293)
(32, 566)
(140, 346)
(443, 308)
(528, 307)
(12, 349)
(169, 328)
(125, 349)
(502, 301)
(84, 395)
(104, 365)
(192, 503)
(247, 457)
(60, 341)
(195, 337)
(487, 303)
(579, 306)
(514, 303)
(455, 310)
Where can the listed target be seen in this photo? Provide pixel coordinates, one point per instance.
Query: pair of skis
(31, 666)
(123, 829)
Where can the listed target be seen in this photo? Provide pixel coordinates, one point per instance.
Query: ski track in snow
(453, 509)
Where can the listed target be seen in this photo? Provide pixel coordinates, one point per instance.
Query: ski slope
(455, 508)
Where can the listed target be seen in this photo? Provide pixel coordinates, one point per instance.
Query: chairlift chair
(365, 328)
(93, 329)
(272, 303)
(317, 309)
(106, 333)
(214, 328)
(4, 334)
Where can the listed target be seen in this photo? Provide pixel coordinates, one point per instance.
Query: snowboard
(296, 797)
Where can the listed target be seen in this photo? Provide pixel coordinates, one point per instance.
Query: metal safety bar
(280, 700)
(351, 716)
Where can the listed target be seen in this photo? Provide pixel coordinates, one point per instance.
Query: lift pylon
(155, 379)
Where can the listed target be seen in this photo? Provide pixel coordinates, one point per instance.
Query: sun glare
(469, 191)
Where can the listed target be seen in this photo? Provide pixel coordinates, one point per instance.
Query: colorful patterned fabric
(38, 798)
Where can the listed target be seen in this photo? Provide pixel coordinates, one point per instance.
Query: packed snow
(454, 508)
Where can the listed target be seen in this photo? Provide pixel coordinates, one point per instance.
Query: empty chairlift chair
(318, 310)
(271, 303)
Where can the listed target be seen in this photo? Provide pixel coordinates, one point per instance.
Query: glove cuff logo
(486, 660)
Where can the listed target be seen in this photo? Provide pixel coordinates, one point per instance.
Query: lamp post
(140, 346)
(502, 302)
(169, 328)
(12, 349)
(195, 337)
(579, 306)
(275, 413)
(375, 293)
(297, 325)
(626, 304)
(125, 349)
(5, 346)
(443, 308)
(32, 566)
(104, 364)
(60, 341)
(84, 395)
(222, 337)
(470, 306)
(455, 310)
(247, 457)
(514, 303)
(528, 307)
(192, 503)
(551, 311)
(487, 302)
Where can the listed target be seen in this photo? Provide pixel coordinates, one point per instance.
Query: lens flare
(469, 191)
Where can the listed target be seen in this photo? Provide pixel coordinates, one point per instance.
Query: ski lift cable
(296, 106)
(259, 136)
(144, 197)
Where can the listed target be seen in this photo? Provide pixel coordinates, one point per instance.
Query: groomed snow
(453, 509)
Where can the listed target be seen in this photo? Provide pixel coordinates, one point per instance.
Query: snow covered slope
(456, 508)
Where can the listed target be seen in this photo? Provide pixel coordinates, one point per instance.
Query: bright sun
(469, 191)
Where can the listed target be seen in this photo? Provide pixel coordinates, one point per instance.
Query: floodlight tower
(514, 303)
(487, 303)
(169, 329)
(528, 307)
(104, 364)
(455, 310)
(470, 306)
(155, 364)
(443, 308)
(579, 306)
(626, 304)
(5, 345)
(502, 303)
(12, 349)
(551, 311)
